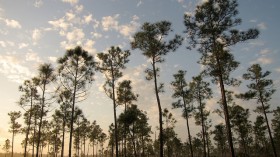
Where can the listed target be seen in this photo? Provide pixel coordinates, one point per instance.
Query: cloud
(38, 3)
(88, 46)
(36, 35)
(12, 23)
(277, 70)
(76, 35)
(3, 44)
(180, 1)
(70, 16)
(11, 67)
(262, 60)
(110, 22)
(32, 56)
(79, 8)
(139, 3)
(87, 19)
(52, 59)
(72, 2)
(60, 23)
(96, 35)
(262, 26)
(22, 45)
(265, 51)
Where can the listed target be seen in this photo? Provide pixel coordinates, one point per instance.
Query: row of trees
(210, 29)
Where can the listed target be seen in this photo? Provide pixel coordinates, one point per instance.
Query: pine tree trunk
(202, 126)
(41, 119)
(72, 113)
(13, 142)
(268, 127)
(188, 127)
(28, 125)
(159, 110)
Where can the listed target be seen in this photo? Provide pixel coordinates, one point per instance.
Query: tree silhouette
(260, 139)
(200, 91)
(181, 92)
(14, 126)
(45, 77)
(151, 40)
(125, 97)
(242, 126)
(27, 101)
(7, 146)
(211, 28)
(260, 89)
(110, 65)
(76, 70)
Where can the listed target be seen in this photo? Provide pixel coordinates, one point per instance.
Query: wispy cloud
(12, 68)
(71, 1)
(12, 23)
(262, 26)
(263, 60)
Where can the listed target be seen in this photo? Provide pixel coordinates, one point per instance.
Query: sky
(33, 32)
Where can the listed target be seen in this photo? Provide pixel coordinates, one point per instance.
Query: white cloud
(70, 16)
(79, 8)
(38, 3)
(71, 1)
(3, 44)
(139, 3)
(88, 46)
(11, 67)
(263, 60)
(110, 22)
(36, 35)
(88, 19)
(96, 35)
(180, 1)
(22, 45)
(13, 23)
(76, 35)
(95, 23)
(52, 59)
(262, 26)
(60, 23)
(32, 56)
(265, 51)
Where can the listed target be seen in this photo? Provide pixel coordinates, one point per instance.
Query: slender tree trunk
(268, 127)
(63, 135)
(225, 106)
(188, 127)
(41, 120)
(159, 110)
(72, 112)
(133, 141)
(125, 128)
(207, 143)
(93, 148)
(202, 126)
(115, 114)
(34, 135)
(28, 125)
(13, 142)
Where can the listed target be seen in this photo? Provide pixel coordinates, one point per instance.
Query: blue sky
(37, 31)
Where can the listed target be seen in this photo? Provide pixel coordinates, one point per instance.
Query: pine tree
(111, 64)
(211, 28)
(76, 70)
(15, 126)
(260, 89)
(151, 39)
(180, 91)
